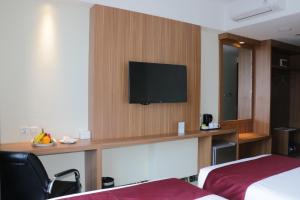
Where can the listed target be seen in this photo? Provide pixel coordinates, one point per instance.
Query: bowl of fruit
(43, 139)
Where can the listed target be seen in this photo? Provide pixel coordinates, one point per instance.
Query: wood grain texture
(93, 149)
(235, 39)
(229, 137)
(294, 109)
(280, 98)
(204, 156)
(262, 89)
(257, 141)
(246, 72)
(93, 169)
(251, 137)
(280, 143)
(121, 36)
(241, 126)
(221, 80)
(245, 84)
(96, 144)
(255, 148)
(80, 145)
(113, 143)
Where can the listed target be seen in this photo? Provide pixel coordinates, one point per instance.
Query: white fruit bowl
(43, 145)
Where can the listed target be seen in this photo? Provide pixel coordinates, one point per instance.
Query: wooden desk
(252, 144)
(251, 137)
(93, 149)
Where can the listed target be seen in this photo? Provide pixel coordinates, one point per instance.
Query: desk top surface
(251, 137)
(87, 145)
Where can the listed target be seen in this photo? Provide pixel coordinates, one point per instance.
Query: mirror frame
(233, 40)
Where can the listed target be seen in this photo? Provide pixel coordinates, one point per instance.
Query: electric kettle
(207, 118)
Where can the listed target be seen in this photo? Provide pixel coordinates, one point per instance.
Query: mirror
(236, 82)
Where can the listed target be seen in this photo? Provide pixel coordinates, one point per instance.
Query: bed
(166, 189)
(261, 177)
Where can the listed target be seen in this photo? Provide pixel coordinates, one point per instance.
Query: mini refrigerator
(223, 151)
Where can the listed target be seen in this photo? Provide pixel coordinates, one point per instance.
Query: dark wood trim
(221, 87)
(235, 39)
(291, 49)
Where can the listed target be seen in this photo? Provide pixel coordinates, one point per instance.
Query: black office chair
(23, 177)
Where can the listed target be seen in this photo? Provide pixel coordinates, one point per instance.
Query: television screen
(157, 83)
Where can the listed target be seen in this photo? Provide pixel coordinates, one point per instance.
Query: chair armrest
(69, 171)
(63, 173)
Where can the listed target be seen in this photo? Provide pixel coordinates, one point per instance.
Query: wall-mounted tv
(157, 83)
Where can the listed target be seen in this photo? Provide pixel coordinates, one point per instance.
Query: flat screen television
(157, 83)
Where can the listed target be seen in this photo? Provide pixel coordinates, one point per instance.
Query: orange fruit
(46, 140)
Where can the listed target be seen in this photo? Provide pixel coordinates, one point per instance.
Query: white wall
(150, 162)
(210, 72)
(44, 72)
(44, 64)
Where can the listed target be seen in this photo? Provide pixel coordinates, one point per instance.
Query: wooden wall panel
(204, 144)
(294, 109)
(262, 88)
(280, 98)
(255, 148)
(294, 61)
(241, 126)
(120, 36)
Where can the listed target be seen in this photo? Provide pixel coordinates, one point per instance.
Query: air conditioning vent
(255, 8)
(252, 13)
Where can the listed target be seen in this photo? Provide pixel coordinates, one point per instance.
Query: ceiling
(280, 25)
(223, 1)
(285, 29)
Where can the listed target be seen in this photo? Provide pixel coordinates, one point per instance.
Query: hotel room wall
(45, 67)
(44, 72)
(210, 72)
(34, 93)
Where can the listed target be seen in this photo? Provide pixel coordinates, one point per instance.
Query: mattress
(282, 184)
(166, 189)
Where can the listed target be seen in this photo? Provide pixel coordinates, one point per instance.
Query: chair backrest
(23, 177)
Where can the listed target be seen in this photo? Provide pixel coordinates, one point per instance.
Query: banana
(39, 136)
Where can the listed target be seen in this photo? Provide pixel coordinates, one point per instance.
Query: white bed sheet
(211, 197)
(283, 186)
(205, 171)
(208, 197)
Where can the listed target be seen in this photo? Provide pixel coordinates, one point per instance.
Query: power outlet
(30, 130)
(24, 130)
(34, 130)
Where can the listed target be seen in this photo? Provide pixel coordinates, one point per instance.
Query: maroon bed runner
(167, 189)
(232, 181)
